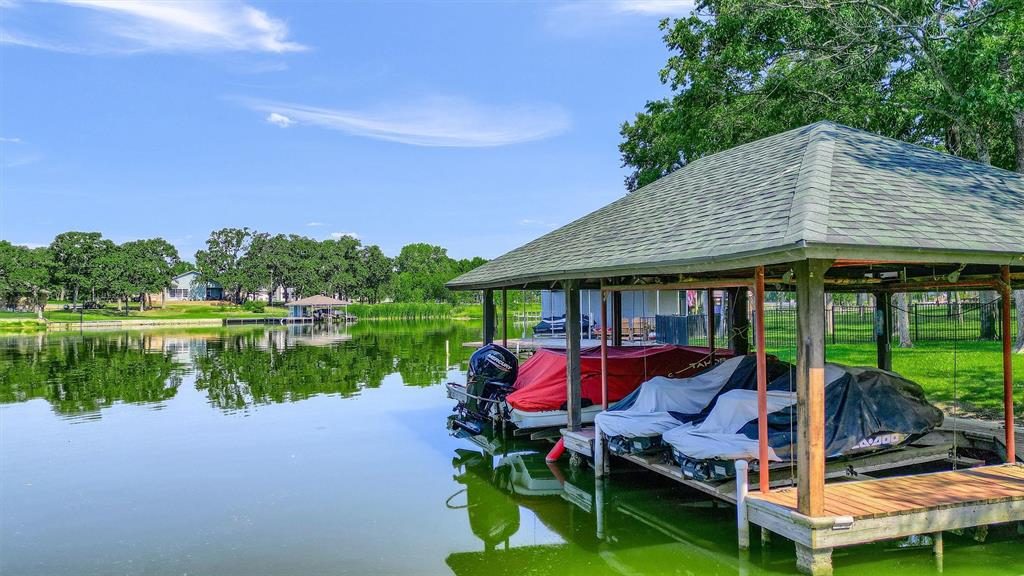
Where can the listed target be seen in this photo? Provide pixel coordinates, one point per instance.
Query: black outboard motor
(492, 372)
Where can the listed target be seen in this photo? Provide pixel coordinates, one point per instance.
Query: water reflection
(79, 375)
(236, 368)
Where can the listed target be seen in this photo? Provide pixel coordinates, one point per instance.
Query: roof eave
(765, 257)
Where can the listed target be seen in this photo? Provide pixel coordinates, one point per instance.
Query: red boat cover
(541, 386)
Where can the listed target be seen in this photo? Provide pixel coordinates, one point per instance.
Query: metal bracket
(842, 523)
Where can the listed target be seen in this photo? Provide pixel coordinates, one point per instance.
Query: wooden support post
(739, 314)
(600, 459)
(488, 316)
(572, 354)
(937, 546)
(616, 318)
(814, 561)
(711, 323)
(742, 525)
(763, 483)
(1011, 453)
(504, 317)
(883, 329)
(810, 386)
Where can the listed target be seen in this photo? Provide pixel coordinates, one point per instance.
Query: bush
(256, 306)
(401, 311)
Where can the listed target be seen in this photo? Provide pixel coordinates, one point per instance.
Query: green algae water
(309, 451)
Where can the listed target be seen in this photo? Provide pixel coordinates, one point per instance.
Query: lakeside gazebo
(307, 307)
(822, 208)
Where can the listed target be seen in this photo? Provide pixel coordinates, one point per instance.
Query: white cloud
(314, 223)
(582, 17)
(434, 121)
(337, 235)
(653, 7)
(30, 245)
(10, 140)
(534, 222)
(279, 120)
(127, 26)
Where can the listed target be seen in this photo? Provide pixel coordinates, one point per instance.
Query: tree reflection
(235, 368)
(286, 365)
(84, 374)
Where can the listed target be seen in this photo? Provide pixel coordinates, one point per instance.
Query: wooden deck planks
(902, 494)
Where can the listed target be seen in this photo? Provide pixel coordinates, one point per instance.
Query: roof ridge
(809, 211)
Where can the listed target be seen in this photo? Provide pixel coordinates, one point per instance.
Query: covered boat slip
(823, 208)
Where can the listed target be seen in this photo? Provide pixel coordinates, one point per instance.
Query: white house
(187, 286)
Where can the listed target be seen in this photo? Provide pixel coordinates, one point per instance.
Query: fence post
(833, 312)
(917, 323)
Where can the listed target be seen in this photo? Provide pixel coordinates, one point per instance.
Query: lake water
(299, 451)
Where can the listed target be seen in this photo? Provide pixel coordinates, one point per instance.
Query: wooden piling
(810, 385)
(1011, 453)
(572, 354)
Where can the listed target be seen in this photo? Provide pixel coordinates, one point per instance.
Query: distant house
(187, 286)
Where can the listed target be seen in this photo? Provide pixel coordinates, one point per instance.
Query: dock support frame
(572, 354)
(488, 316)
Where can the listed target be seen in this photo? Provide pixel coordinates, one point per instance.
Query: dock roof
(819, 191)
(318, 301)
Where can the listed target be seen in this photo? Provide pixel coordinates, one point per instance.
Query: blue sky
(476, 126)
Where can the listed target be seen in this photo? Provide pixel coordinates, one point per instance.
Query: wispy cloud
(279, 120)
(314, 223)
(433, 121)
(10, 140)
(537, 223)
(127, 26)
(580, 17)
(337, 235)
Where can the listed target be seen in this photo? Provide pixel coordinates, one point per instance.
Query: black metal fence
(927, 321)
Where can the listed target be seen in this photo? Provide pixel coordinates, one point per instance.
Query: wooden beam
(739, 314)
(762, 382)
(810, 385)
(572, 354)
(1011, 454)
(711, 324)
(488, 316)
(696, 284)
(504, 317)
(616, 319)
(883, 330)
(604, 350)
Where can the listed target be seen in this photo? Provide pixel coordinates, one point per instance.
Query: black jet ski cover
(490, 367)
(862, 403)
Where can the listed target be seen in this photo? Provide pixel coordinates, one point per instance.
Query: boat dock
(816, 210)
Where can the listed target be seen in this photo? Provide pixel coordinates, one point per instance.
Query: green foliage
(221, 262)
(24, 275)
(257, 306)
(75, 256)
(942, 74)
(402, 310)
(421, 272)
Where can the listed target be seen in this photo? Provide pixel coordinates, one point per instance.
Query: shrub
(257, 306)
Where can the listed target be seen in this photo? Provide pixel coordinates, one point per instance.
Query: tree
(25, 273)
(221, 261)
(266, 262)
(74, 256)
(152, 264)
(377, 270)
(344, 266)
(744, 69)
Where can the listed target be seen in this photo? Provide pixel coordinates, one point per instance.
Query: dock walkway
(869, 510)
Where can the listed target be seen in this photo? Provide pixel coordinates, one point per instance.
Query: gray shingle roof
(823, 190)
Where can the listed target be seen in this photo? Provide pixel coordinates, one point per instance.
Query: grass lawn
(979, 372)
(172, 311)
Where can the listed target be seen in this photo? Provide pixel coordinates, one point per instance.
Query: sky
(477, 126)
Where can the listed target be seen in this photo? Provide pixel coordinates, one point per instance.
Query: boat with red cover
(534, 395)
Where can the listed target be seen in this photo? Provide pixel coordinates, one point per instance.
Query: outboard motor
(492, 372)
